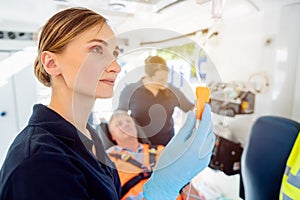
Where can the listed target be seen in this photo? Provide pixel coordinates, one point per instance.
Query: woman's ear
(48, 60)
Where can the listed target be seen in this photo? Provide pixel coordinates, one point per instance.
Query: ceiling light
(117, 6)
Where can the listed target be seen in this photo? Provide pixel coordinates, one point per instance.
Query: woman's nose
(114, 67)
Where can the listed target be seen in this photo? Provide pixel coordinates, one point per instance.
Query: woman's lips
(108, 81)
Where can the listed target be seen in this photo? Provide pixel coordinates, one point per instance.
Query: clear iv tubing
(202, 92)
(202, 81)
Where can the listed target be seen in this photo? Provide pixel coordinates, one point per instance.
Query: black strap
(127, 158)
(133, 181)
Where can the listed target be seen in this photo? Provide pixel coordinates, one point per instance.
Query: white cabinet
(8, 122)
(17, 97)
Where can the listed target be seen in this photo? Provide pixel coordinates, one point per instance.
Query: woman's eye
(116, 54)
(97, 49)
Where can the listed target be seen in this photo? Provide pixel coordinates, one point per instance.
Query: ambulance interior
(246, 51)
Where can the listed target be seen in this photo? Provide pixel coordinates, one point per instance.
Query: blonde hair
(59, 30)
(154, 64)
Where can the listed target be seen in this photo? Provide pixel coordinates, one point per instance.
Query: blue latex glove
(187, 154)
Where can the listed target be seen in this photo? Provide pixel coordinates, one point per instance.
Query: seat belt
(127, 158)
(143, 175)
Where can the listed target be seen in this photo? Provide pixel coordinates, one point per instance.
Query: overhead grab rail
(204, 31)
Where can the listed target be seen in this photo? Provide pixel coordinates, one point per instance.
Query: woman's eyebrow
(98, 40)
(103, 42)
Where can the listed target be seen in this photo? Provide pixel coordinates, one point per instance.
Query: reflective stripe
(294, 180)
(288, 190)
(284, 197)
(290, 187)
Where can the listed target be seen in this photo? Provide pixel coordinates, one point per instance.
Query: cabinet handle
(3, 113)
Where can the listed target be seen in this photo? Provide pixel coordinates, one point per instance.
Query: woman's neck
(74, 108)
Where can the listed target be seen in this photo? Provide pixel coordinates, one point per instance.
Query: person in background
(152, 101)
(135, 161)
(58, 155)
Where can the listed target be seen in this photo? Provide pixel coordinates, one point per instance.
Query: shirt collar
(51, 121)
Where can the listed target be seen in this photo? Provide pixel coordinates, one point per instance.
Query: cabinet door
(25, 86)
(8, 118)
(17, 98)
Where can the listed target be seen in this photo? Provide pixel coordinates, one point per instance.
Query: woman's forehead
(106, 34)
(98, 33)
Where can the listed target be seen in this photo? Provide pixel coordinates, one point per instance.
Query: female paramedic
(57, 155)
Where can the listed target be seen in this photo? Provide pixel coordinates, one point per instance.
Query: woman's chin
(104, 95)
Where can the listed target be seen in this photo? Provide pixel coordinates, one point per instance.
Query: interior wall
(296, 100)
(285, 73)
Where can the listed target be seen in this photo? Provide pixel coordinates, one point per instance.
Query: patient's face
(122, 127)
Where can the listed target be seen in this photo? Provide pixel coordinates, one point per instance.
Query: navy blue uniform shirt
(51, 159)
(154, 113)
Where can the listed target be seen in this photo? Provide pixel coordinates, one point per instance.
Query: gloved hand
(188, 153)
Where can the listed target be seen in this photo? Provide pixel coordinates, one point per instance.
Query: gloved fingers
(206, 115)
(205, 160)
(208, 145)
(177, 147)
(186, 130)
(204, 127)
